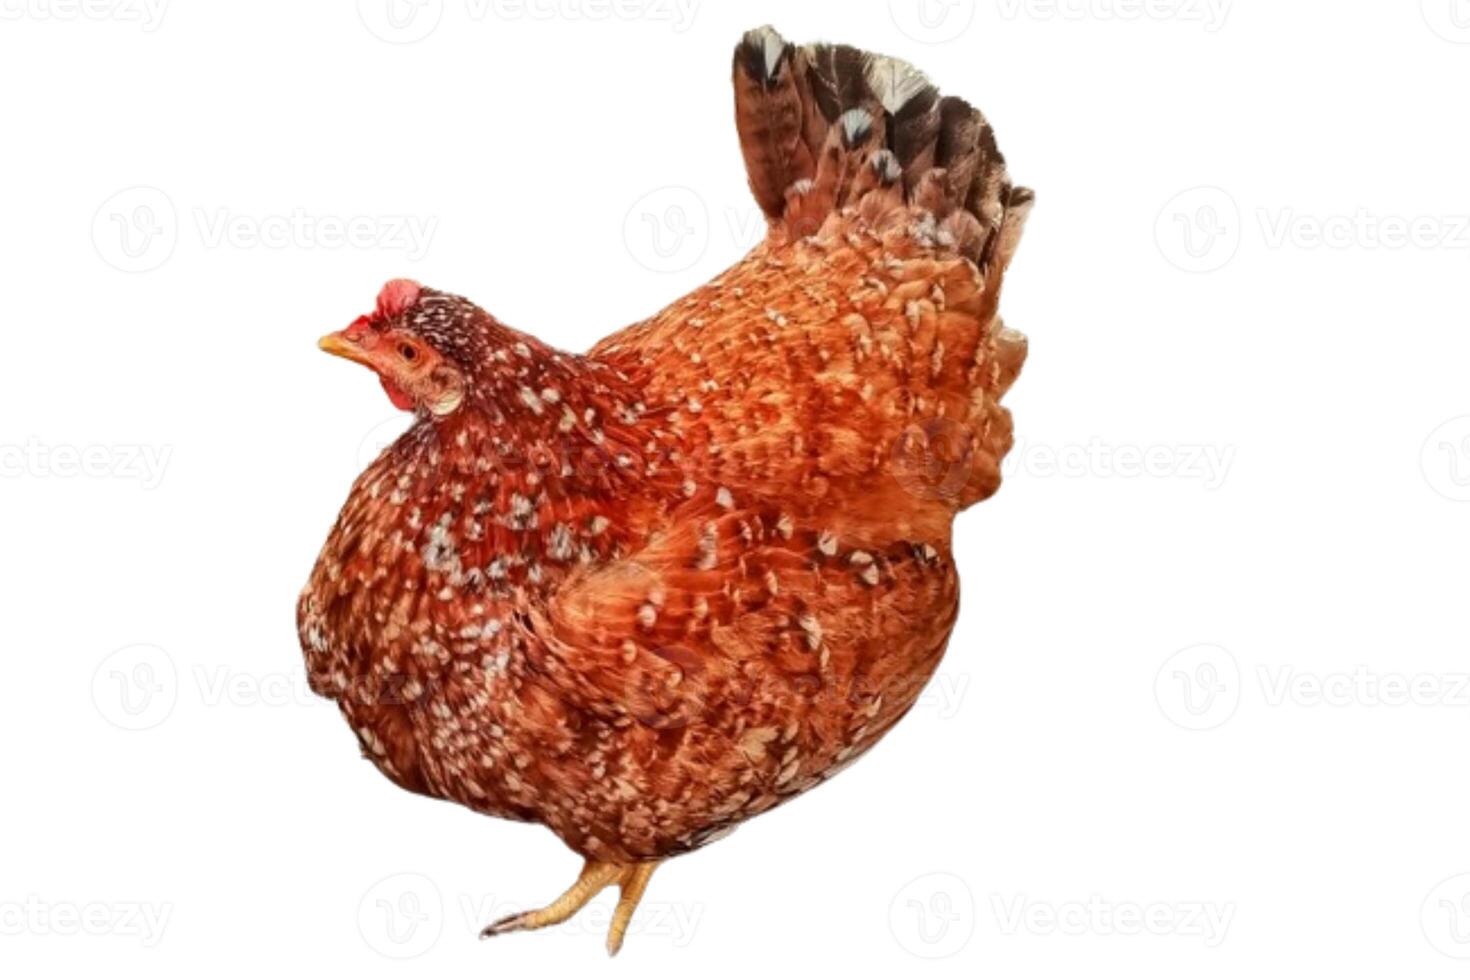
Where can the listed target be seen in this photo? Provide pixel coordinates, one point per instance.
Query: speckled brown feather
(644, 594)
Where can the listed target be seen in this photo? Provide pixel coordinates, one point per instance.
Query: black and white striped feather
(823, 124)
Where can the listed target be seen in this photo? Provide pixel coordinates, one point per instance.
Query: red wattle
(400, 398)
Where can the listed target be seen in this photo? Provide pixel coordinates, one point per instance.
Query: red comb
(396, 296)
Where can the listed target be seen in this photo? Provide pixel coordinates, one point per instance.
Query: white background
(1205, 712)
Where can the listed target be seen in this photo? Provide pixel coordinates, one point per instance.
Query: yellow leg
(595, 876)
(631, 885)
(632, 879)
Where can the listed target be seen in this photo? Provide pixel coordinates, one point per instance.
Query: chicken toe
(596, 875)
(631, 884)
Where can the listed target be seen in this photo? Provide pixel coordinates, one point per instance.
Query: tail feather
(827, 126)
(957, 148)
(836, 77)
(770, 116)
(1017, 209)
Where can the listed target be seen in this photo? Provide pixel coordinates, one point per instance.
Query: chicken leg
(632, 879)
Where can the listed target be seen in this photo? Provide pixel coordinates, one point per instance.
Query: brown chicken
(643, 594)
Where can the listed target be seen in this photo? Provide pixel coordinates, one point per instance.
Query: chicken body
(643, 594)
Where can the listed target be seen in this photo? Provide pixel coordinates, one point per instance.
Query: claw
(511, 923)
(596, 875)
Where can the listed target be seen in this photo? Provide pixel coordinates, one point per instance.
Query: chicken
(643, 594)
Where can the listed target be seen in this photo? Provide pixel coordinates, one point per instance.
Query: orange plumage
(643, 594)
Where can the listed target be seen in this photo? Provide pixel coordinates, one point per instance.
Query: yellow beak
(338, 344)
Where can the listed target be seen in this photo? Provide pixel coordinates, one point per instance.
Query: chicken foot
(632, 879)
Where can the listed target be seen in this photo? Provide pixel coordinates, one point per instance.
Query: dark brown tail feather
(825, 126)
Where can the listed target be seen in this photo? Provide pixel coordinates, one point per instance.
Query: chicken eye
(408, 352)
